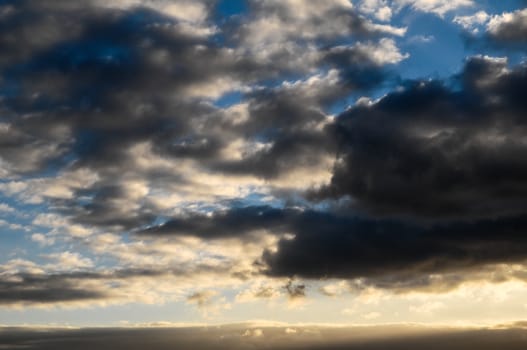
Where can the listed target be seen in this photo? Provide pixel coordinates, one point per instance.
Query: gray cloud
(509, 28)
(394, 254)
(230, 223)
(295, 291)
(231, 337)
(88, 287)
(435, 173)
(435, 152)
(45, 289)
(104, 80)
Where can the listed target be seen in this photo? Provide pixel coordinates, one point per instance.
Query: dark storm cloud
(435, 151)
(231, 223)
(232, 337)
(393, 254)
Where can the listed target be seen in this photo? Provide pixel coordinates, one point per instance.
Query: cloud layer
(150, 141)
(277, 337)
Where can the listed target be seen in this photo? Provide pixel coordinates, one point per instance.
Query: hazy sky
(299, 161)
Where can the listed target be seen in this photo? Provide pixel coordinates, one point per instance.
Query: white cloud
(383, 52)
(69, 261)
(63, 186)
(497, 22)
(439, 7)
(379, 9)
(279, 24)
(4, 208)
(421, 39)
(185, 10)
(335, 289)
(43, 240)
(472, 22)
(60, 225)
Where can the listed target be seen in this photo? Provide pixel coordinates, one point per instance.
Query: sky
(321, 162)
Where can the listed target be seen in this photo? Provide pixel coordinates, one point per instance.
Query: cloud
(395, 255)
(263, 337)
(383, 10)
(24, 289)
(4, 208)
(230, 223)
(42, 239)
(83, 288)
(439, 152)
(114, 119)
(260, 291)
(471, 22)
(201, 299)
(439, 7)
(306, 20)
(380, 9)
(59, 75)
(509, 27)
(69, 261)
(116, 100)
(335, 289)
(143, 274)
(444, 161)
(295, 291)
(184, 10)
(207, 303)
(428, 308)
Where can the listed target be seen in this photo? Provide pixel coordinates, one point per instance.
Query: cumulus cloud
(509, 27)
(441, 142)
(408, 258)
(119, 103)
(438, 152)
(380, 9)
